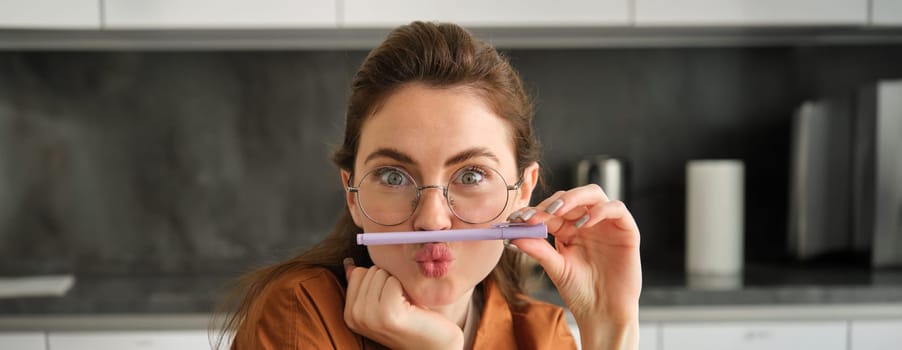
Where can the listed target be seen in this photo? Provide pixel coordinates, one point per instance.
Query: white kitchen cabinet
(754, 335)
(751, 12)
(648, 336)
(886, 12)
(50, 14)
(876, 335)
(129, 340)
(481, 13)
(217, 14)
(23, 341)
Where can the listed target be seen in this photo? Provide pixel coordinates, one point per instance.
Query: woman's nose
(432, 212)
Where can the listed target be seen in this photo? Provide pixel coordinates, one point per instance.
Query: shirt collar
(496, 325)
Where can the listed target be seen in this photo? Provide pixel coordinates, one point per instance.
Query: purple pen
(497, 231)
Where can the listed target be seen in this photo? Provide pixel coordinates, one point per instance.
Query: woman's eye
(470, 177)
(393, 177)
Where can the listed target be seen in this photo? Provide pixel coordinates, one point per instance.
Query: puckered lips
(434, 259)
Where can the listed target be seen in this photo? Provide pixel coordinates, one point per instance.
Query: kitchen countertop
(760, 285)
(786, 284)
(128, 295)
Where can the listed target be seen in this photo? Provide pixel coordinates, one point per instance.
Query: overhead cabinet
(481, 13)
(751, 12)
(219, 14)
(886, 12)
(332, 14)
(50, 14)
(23, 340)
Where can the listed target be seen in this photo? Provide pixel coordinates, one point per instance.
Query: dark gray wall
(199, 162)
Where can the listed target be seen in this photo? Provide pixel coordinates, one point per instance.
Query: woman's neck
(457, 311)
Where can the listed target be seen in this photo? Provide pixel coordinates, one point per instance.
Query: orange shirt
(305, 310)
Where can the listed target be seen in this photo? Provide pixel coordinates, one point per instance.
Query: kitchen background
(151, 152)
(214, 162)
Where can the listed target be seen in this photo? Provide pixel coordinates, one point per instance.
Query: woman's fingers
(566, 211)
(595, 261)
(360, 303)
(540, 250)
(392, 297)
(570, 205)
(615, 211)
(392, 289)
(545, 204)
(372, 301)
(349, 266)
(377, 282)
(371, 292)
(355, 277)
(377, 308)
(565, 201)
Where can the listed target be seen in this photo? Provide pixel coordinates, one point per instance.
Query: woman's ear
(530, 180)
(350, 198)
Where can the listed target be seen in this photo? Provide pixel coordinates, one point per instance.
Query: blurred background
(153, 151)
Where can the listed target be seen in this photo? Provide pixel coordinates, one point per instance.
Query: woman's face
(433, 136)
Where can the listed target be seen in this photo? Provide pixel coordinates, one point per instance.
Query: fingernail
(581, 221)
(513, 247)
(554, 206)
(348, 261)
(528, 214)
(514, 216)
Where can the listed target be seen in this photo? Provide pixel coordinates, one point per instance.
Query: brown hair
(435, 55)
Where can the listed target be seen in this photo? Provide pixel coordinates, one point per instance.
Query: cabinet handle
(755, 335)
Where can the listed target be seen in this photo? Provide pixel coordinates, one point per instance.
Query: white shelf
(886, 12)
(499, 13)
(751, 12)
(221, 14)
(23, 340)
(50, 14)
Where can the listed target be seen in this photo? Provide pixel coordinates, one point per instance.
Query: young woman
(438, 136)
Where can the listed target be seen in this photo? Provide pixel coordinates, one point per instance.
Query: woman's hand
(595, 264)
(377, 308)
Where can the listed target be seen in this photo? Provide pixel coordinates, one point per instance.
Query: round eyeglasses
(389, 196)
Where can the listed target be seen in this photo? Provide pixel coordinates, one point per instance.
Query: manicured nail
(348, 261)
(528, 214)
(514, 216)
(554, 206)
(513, 247)
(581, 221)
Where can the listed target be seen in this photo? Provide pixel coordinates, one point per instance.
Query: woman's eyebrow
(458, 158)
(389, 153)
(470, 154)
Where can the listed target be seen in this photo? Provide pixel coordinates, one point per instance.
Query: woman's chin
(433, 295)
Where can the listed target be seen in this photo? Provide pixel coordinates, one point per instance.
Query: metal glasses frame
(356, 192)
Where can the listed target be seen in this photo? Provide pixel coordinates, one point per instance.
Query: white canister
(715, 197)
